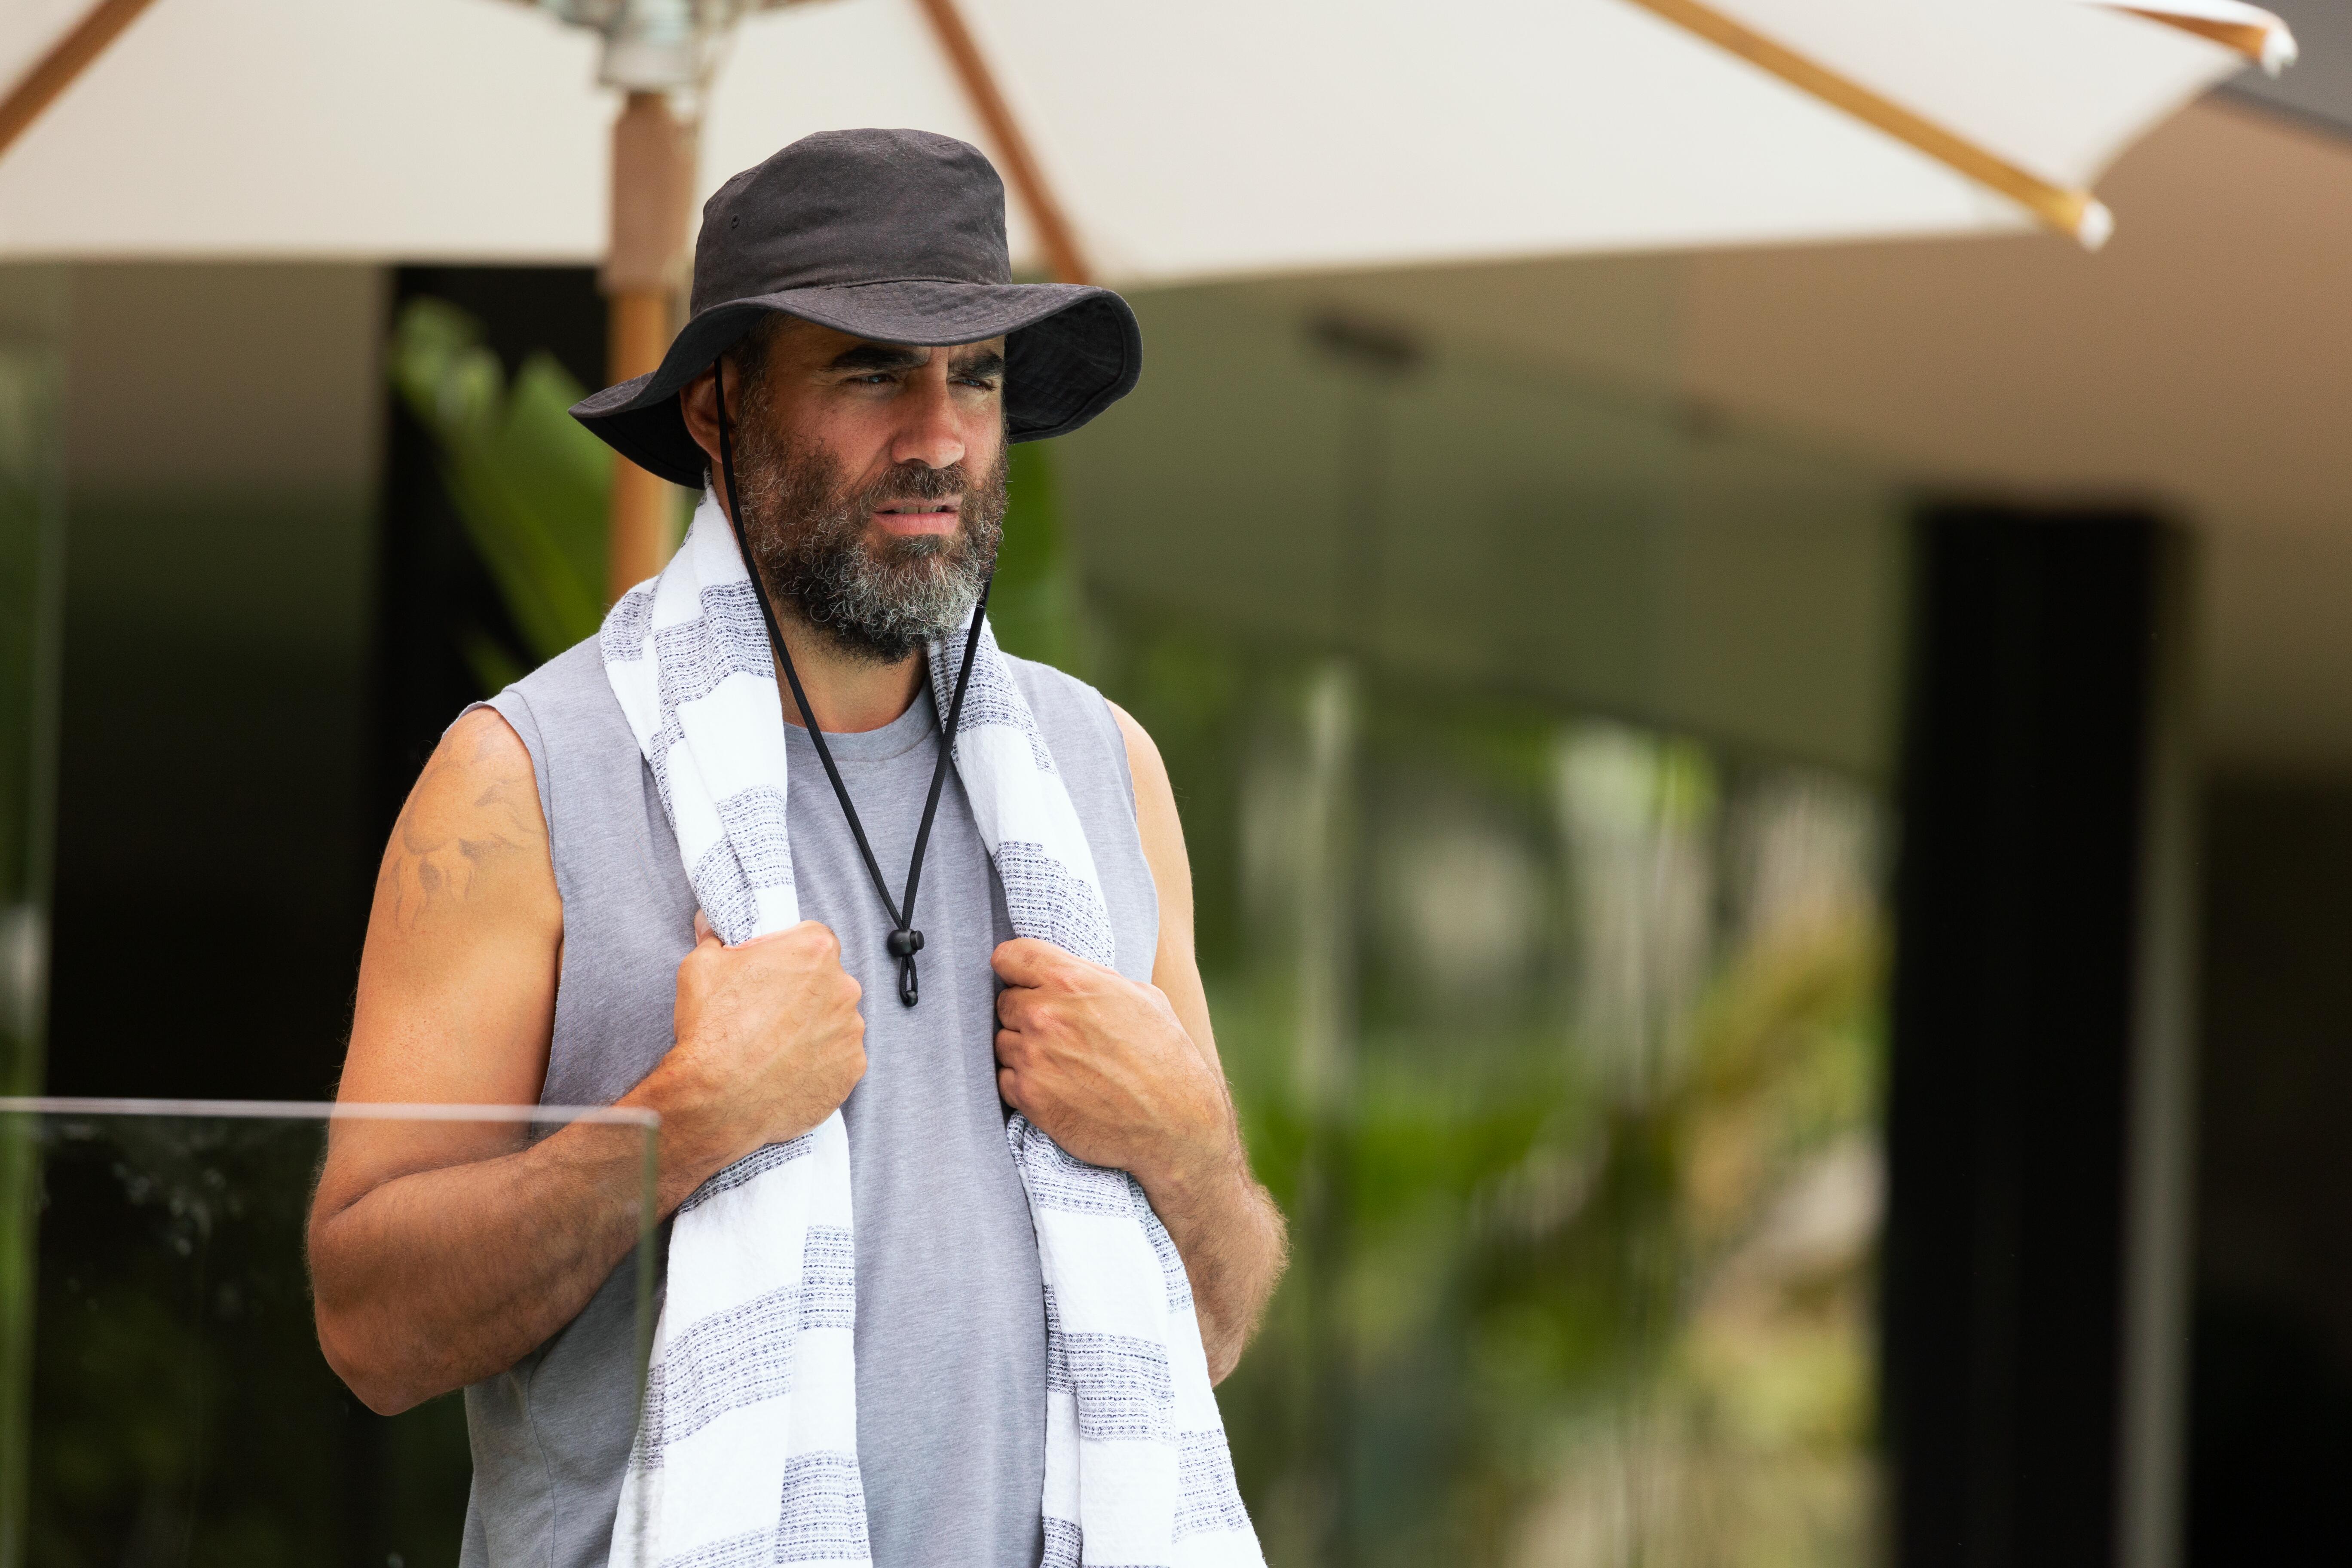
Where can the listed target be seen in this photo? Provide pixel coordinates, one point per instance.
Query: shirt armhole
(513, 707)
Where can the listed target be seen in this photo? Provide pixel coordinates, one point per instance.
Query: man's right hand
(442, 1251)
(769, 1043)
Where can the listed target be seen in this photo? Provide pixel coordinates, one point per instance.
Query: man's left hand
(1101, 1063)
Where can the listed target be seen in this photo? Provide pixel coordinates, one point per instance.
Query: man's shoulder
(1061, 700)
(1082, 729)
(571, 724)
(567, 693)
(1034, 675)
(577, 672)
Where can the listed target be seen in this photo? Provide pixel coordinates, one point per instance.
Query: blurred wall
(2320, 84)
(1328, 465)
(2202, 363)
(223, 433)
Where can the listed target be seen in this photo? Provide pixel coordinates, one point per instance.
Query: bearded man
(960, 1224)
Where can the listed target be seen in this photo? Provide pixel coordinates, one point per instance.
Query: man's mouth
(910, 518)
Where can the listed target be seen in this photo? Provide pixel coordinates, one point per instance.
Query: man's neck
(848, 694)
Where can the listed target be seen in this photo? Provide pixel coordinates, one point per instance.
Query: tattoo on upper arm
(466, 816)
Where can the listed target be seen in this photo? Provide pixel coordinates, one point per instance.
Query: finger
(1014, 1007)
(802, 929)
(701, 927)
(1008, 1088)
(1025, 961)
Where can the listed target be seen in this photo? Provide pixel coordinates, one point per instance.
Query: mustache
(915, 481)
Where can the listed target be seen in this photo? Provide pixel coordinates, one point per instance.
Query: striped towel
(747, 1445)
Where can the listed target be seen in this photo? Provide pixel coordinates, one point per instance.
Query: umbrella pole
(1063, 257)
(653, 190)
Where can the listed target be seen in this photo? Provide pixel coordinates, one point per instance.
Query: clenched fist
(769, 1043)
(1101, 1063)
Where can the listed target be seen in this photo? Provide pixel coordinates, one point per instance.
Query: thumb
(1025, 960)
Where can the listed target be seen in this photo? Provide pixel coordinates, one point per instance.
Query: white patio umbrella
(1145, 143)
(1218, 136)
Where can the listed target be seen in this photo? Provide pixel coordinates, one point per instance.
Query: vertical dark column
(2040, 659)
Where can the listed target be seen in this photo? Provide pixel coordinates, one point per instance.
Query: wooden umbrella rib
(2248, 38)
(1061, 252)
(65, 60)
(2071, 212)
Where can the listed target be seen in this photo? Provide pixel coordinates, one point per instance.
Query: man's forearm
(428, 1280)
(1235, 1245)
(441, 1277)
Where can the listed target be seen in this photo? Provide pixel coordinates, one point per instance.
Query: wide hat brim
(1071, 350)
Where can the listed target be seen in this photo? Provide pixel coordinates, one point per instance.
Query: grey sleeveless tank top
(950, 1329)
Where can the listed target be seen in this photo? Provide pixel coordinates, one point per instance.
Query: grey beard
(878, 599)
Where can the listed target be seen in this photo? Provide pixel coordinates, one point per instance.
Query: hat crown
(852, 207)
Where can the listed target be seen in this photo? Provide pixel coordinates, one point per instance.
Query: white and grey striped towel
(747, 1447)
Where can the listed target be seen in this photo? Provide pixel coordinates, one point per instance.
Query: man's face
(872, 478)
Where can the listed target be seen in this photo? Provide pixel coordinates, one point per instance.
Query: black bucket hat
(896, 236)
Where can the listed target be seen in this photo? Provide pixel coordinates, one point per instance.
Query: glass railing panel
(177, 1406)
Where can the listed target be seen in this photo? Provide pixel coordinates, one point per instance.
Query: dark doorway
(222, 431)
(2271, 1405)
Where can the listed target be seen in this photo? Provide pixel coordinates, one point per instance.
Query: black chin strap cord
(905, 941)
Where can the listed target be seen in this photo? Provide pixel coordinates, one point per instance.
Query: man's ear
(698, 403)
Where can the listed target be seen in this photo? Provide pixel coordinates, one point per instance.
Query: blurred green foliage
(530, 484)
(1575, 1279)
(1035, 602)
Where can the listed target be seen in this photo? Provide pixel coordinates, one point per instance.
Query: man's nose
(930, 434)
